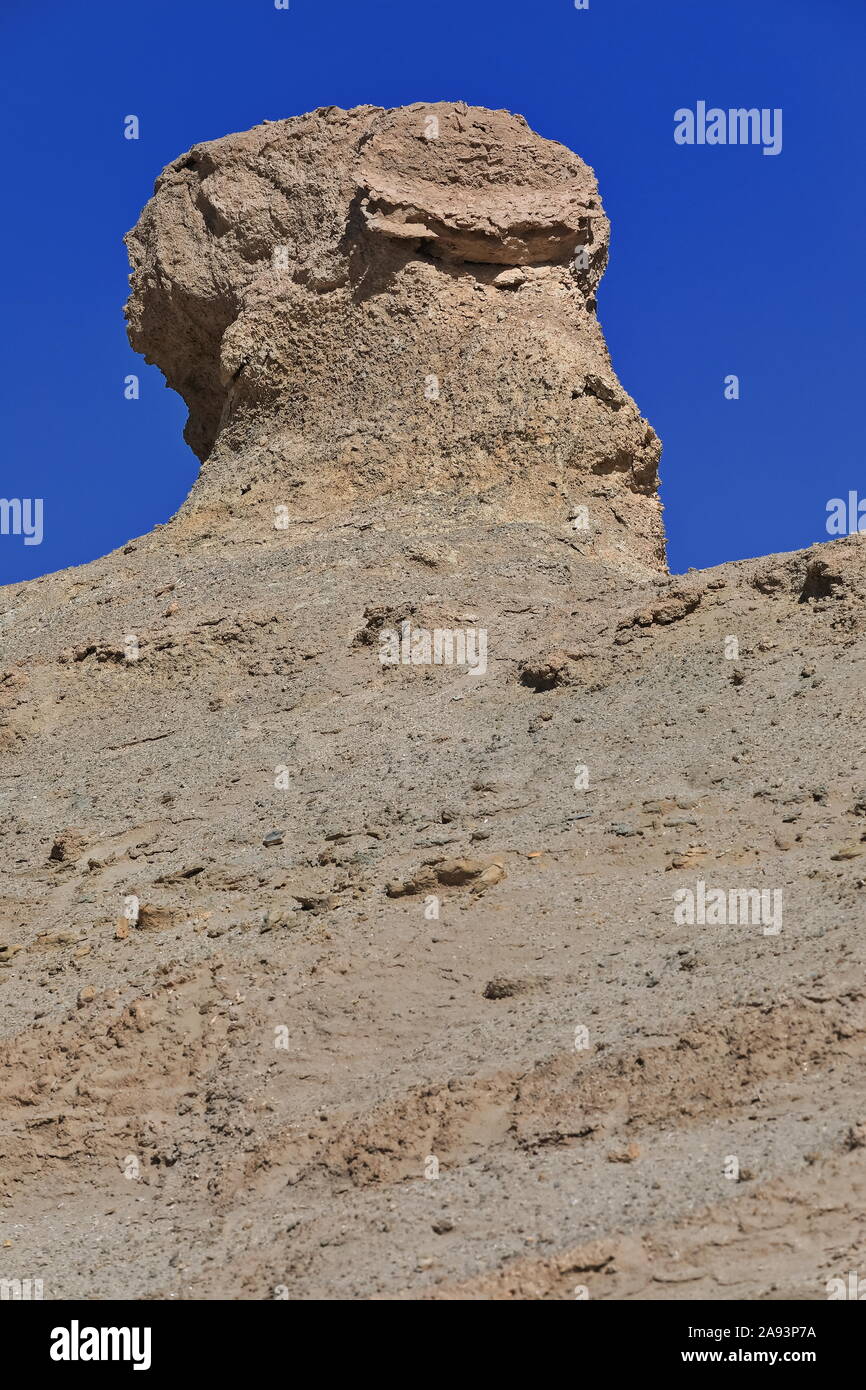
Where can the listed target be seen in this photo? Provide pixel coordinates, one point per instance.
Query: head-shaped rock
(368, 302)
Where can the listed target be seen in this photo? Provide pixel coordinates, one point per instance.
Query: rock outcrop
(371, 304)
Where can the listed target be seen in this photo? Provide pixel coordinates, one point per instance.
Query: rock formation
(331, 977)
(387, 304)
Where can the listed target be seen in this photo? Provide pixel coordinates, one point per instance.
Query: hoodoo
(371, 303)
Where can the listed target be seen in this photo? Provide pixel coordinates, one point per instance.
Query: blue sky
(723, 260)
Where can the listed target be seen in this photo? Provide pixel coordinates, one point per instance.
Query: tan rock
(68, 846)
(282, 274)
(627, 1155)
(156, 917)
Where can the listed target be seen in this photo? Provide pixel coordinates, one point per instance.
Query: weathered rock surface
(371, 304)
(280, 925)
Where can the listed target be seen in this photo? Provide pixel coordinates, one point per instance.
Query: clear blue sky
(723, 260)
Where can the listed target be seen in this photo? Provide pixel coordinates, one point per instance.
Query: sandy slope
(303, 1165)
